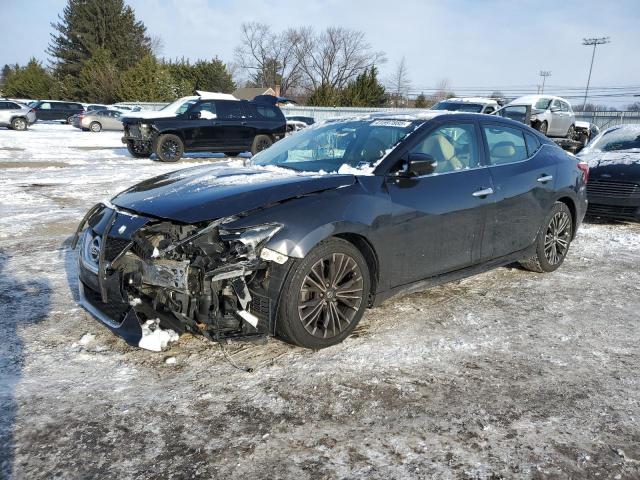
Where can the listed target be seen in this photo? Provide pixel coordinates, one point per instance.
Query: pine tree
(99, 78)
(325, 96)
(211, 76)
(421, 101)
(364, 91)
(147, 81)
(4, 75)
(88, 25)
(31, 81)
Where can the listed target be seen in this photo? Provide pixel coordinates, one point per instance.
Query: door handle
(545, 178)
(483, 193)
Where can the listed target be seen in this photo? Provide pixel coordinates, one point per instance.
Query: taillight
(585, 171)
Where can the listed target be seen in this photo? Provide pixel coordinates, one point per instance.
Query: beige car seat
(443, 152)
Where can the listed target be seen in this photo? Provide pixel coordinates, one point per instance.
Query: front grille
(114, 310)
(608, 188)
(133, 131)
(260, 306)
(114, 247)
(611, 210)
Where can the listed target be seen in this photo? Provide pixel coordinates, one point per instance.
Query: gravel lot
(508, 374)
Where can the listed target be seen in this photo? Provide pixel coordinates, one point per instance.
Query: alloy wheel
(557, 238)
(263, 145)
(170, 149)
(20, 124)
(331, 295)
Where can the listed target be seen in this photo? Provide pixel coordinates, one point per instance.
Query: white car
(468, 104)
(16, 115)
(550, 115)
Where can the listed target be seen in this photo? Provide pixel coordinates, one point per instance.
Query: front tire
(553, 241)
(138, 149)
(95, 127)
(571, 133)
(324, 296)
(19, 124)
(261, 142)
(169, 148)
(543, 127)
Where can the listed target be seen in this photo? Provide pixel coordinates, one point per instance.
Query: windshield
(542, 103)
(179, 106)
(338, 146)
(458, 107)
(619, 139)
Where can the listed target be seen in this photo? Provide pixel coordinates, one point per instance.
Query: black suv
(204, 124)
(53, 110)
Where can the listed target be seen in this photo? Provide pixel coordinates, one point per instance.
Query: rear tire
(553, 241)
(69, 120)
(95, 127)
(261, 142)
(138, 150)
(19, 124)
(169, 148)
(324, 296)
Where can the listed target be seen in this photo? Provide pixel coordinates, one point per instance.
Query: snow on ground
(505, 375)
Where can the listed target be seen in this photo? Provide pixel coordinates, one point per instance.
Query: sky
(477, 45)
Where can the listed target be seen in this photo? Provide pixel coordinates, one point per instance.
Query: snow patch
(155, 338)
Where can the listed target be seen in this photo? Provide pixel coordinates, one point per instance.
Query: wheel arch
(370, 255)
(571, 205)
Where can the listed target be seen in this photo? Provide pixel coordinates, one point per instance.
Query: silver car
(16, 115)
(100, 120)
(550, 115)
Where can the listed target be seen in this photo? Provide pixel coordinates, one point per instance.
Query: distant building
(249, 93)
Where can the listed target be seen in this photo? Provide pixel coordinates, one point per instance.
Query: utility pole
(544, 74)
(595, 41)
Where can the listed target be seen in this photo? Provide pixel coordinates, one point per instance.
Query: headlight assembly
(249, 241)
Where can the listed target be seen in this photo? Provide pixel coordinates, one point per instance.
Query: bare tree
(334, 57)
(400, 83)
(157, 45)
(270, 59)
(443, 90)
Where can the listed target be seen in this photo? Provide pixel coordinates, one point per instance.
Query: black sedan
(301, 239)
(614, 160)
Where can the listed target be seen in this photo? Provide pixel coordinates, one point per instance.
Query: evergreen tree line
(100, 53)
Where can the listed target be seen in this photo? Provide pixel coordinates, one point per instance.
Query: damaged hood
(206, 193)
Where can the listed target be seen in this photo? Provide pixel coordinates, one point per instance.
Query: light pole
(595, 41)
(544, 74)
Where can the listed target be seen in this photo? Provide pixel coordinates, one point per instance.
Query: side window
(557, 104)
(453, 146)
(506, 145)
(229, 110)
(13, 106)
(489, 110)
(564, 106)
(45, 106)
(207, 110)
(532, 143)
(4, 105)
(267, 111)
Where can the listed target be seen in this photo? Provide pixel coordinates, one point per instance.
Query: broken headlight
(249, 241)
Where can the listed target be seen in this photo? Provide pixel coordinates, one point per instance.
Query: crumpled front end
(206, 278)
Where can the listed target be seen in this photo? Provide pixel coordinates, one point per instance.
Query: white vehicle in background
(468, 104)
(16, 115)
(551, 116)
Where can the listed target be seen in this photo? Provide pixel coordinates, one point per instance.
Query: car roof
(470, 100)
(532, 99)
(427, 115)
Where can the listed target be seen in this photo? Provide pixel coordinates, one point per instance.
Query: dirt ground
(508, 374)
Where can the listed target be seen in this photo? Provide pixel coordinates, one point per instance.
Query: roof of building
(249, 93)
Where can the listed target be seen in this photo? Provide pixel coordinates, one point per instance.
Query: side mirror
(419, 164)
(554, 109)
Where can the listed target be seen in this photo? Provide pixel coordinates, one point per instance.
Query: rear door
(5, 113)
(523, 176)
(439, 219)
(558, 126)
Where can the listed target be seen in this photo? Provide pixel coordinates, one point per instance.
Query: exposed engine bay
(210, 279)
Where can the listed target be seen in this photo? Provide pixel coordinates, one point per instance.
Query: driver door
(439, 219)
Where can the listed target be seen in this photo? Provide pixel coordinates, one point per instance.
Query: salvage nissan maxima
(298, 241)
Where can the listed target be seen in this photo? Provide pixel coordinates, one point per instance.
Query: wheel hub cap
(557, 238)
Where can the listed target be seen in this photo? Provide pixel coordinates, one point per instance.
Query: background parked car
(585, 131)
(208, 122)
(300, 118)
(99, 120)
(55, 110)
(15, 115)
(551, 116)
(614, 173)
(468, 104)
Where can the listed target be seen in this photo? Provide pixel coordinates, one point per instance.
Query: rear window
(532, 143)
(267, 111)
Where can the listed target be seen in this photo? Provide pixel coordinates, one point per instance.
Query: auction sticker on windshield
(390, 123)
